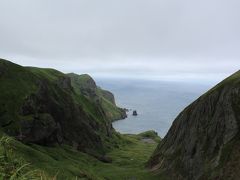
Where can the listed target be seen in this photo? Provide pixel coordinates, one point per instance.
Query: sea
(157, 102)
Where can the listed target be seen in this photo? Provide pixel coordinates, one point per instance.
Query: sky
(152, 39)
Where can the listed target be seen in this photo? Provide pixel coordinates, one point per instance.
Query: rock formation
(134, 113)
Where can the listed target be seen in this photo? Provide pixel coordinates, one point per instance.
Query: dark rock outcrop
(55, 118)
(134, 113)
(202, 140)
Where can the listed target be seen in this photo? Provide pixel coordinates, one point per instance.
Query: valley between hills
(59, 126)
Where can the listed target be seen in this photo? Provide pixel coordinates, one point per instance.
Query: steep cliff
(41, 106)
(86, 86)
(203, 141)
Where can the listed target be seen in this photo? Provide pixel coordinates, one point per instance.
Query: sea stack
(135, 113)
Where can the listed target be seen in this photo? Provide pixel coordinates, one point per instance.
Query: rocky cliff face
(108, 96)
(203, 141)
(41, 106)
(86, 86)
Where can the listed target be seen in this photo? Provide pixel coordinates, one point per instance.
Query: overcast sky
(128, 38)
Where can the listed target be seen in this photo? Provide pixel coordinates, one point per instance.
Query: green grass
(50, 74)
(150, 134)
(16, 84)
(84, 82)
(13, 167)
(128, 161)
(112, 111)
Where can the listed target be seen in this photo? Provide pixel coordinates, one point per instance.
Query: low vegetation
(13, 167)
(20, 161)
(150, 135)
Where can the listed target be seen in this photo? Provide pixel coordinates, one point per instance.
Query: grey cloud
(123, 37)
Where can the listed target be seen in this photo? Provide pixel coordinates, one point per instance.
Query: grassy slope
(113, 112)
(128, 160)
(13, 92)
(19, 82)
(81, 81)
(53, 75)
(23, 82)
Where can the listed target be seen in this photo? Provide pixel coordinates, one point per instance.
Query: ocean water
(157, 102)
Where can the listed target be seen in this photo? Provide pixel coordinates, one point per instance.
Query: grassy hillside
(86, 86)
(64, 162)
(40, 106)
